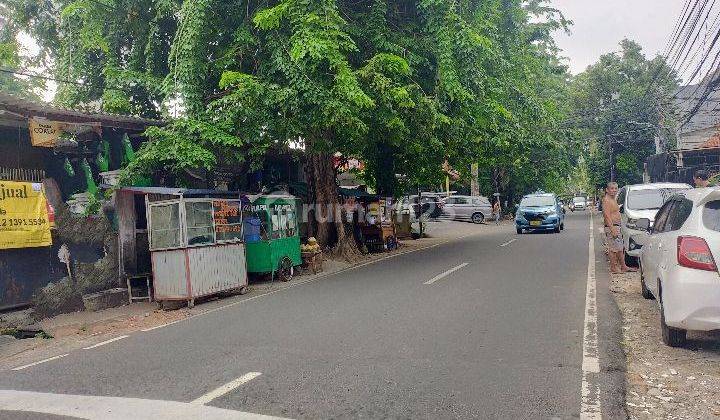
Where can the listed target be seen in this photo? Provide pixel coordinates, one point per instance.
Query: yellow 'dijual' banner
(23, 215)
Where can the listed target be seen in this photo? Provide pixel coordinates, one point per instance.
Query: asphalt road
(500, 335)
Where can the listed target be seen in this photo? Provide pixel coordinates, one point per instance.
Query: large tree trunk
(329, 218)
(324, 195)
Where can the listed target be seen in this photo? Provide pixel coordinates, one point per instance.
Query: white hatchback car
(677, 263)
(641, 201)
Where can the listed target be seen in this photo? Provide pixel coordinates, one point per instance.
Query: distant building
(705, 123)
(698, 145)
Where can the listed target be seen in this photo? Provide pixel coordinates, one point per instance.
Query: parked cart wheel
(285, 269)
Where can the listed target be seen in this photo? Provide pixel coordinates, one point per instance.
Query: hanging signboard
(44, 133)
(227, 219)
(24, 221)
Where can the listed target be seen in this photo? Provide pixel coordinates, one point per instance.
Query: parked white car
(678, 263)
(464, 207)
(641, 201)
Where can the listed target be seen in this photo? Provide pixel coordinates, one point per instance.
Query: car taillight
(694, 252)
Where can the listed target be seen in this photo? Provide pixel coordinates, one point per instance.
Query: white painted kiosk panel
(217, 268)
(169, 274)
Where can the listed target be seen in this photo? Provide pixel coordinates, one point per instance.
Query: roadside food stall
(272, 236)
(196, 247)
(378, 226)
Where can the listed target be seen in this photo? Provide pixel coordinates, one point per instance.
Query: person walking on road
(701, 178)
(611, 216)
(496, 210)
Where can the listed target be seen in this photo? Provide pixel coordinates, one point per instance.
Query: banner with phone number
(23, 215)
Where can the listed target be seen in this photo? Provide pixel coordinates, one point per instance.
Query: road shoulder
(610, 334)
(665, 382)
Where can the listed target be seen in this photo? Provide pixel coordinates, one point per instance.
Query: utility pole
(612, 158)
(474, 184)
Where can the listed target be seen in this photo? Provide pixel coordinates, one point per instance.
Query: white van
(464, 207)
(641, 201)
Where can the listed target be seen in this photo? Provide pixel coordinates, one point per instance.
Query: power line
(54, 79)
(597, 137)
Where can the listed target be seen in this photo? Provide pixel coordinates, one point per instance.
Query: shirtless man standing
(611, 215)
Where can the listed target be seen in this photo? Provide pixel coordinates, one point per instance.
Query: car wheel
(630, 260)
(673, 337)
(562, 226)
(643, 287)
(557, 229)
(477, 218)
(519, 231)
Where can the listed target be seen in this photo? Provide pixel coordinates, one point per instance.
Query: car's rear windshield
(649, 199)
(579, 200)
(711, 215)
(537, 201)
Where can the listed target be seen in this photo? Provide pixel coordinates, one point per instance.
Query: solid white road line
(115, 408)
(445, 273)
(106, 342)
(590, 391)
(219, 392)
(41, 361)
(508, 242)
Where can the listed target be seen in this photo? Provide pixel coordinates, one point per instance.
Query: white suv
(578, 203)
(637, 202)
(678, 263)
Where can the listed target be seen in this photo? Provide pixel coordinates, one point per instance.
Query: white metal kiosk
(196, 247)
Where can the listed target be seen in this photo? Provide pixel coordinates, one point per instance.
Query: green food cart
(272, 236)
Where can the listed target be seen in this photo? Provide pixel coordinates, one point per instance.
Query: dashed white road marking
(590, 392)
(219, 392)
(115, 408)
(49, 359)
(102, 343)
(161, 326)
(445, 273)
(295, 284)
(508, 242)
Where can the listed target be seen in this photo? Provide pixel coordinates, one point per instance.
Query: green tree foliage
(404, 85)
(621, 104)
(12, 61)
(114, 51)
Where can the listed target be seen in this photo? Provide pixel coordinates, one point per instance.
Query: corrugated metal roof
(23, 108)
(179, 191)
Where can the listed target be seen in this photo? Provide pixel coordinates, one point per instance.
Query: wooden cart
(378, 227)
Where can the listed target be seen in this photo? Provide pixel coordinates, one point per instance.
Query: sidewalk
(81, 329)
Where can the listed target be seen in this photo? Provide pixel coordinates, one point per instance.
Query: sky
(599, 25)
